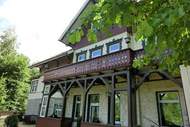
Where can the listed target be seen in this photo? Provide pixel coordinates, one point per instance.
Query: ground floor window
(57, 110)
(117, 109)
(169, 109)
(76, 107)
(43, 106)
(121, 108)
(93, 108)
(55, 105)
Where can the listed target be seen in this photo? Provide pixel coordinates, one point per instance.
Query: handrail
(118, 59)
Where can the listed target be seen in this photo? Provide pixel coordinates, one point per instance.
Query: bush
(12, 121)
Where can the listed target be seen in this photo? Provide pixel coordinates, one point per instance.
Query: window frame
(75, 102)
(34, 87)
(119, 41)
(96, 48)
(81, 53)
(47, 89)
(158, 105)
(57, 109)
(92, 104)
(44, 106)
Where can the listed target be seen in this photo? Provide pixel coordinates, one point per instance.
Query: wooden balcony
(111, 61)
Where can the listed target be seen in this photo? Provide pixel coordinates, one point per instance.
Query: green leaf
(181, 11)
(144, 30)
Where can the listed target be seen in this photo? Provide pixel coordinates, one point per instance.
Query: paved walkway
(23, 125)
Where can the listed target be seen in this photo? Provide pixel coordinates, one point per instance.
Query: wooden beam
(112, 102)
(84, 102)
(165, 74)
(132, 115)
(143, 79)
(91, 84)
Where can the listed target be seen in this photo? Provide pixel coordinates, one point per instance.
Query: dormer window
(96, 52)
(46, 66)
(81, 56)
(114, 46)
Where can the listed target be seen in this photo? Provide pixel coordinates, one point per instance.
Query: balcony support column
(112, 102)
(132, 117)
(84, 119)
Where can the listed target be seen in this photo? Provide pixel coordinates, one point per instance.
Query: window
(43, 106)
(94, 108)
(76, 107)
(46, 89)
(81, 56)
(117, 109)
(57, 110)
(96, 52)
(34, 85)
(114, 46)
(169, 109)
(55, 105)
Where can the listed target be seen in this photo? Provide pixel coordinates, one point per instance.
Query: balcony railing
(106, 62)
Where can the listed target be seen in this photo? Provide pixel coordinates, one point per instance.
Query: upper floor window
(34, 86)
(114, 46)
(81, 56)
(96, 52)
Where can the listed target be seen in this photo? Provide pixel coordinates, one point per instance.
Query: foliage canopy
(164, 24)
(14, 74)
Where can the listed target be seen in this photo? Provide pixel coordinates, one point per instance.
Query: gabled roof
(74, 20)
(52, 58)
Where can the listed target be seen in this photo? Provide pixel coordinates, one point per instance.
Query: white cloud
(39, 24)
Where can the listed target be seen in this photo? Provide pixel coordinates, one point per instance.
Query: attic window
(46, 66)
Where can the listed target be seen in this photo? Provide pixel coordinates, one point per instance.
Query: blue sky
(4, 24)
(1, 2)
(38, 24)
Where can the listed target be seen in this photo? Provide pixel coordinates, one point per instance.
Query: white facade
(35, 98)
(147, 108)
(132, 45)
(185, 75)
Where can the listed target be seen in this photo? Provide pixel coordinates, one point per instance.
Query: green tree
(164, 24)
(14, 74)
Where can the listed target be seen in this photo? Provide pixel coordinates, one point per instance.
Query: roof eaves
(73, 21)
(52, 58)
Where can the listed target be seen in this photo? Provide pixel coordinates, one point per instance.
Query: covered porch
(125, 98)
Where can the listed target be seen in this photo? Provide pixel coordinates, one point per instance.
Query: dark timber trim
(132, 114)
(161, 73)
(112, 102)
(86, 83)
